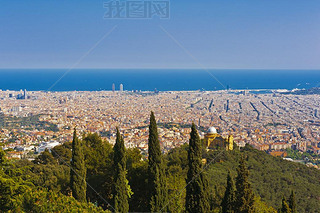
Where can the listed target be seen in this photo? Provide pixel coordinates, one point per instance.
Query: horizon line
(61, 68)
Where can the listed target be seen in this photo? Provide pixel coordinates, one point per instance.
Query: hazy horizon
(162, 79)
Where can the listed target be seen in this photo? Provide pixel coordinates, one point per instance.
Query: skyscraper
(113, 87)
(121, 87)
(25, 94)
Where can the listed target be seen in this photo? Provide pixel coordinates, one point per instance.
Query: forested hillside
(271, 178)
(27, 186)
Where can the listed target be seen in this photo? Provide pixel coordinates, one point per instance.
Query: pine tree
(229, 196)
(120, 199)
(156, 171)
(78, 170)
(244, 196)
(292, 202)
(197, 184)
(285, 207)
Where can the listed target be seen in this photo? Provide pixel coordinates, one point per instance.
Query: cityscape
(143, 106)
(271, 122)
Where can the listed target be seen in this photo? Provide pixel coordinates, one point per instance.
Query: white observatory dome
(212, 130)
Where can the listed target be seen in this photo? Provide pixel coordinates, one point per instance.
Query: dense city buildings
(270, 122)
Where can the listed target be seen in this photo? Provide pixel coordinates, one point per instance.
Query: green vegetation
(270, 177)
(78, 170)
(45, 158)
(156, 171)
(43, 201)
(305, 156)
(197, 183)
(98, 160)
(244, 196)
(288, 206)
(298, 155)
(170, 125)
(27, 123)
(292, 202)
(33, 187)
(116, 173)
(228, 201)
(121, 187)
(285, 207)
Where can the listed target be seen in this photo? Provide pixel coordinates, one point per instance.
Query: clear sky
(229, 34)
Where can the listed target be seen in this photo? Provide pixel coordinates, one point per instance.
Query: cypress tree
(285, 207)
(120, 198)
(244, 196)
(197, 184)
(156, 171)
(78, 170)
(292, 202)
(3, 158)
(229, 196)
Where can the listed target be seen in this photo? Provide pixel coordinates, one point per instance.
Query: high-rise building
(25, 94)
(121, 87)
(16, 109)
(113, 87)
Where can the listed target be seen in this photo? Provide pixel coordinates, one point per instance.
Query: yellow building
(215, 141)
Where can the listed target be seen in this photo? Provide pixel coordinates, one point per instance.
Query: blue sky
(221, 34)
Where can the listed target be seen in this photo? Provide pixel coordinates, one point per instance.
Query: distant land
(311, 91)
(161, 79)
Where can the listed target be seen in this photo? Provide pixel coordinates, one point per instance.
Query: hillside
(31, 189)
(271, 177)
(27, 123)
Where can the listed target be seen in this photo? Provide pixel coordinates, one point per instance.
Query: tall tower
(25, 94)
(230, 142)
(121, 87)
(113, 87)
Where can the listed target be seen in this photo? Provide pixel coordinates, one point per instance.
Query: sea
(155, 79)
